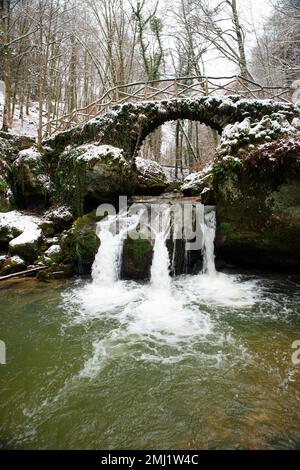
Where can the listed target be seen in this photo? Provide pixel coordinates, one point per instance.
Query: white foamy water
(209, 229)
(107, 265)
(175, 313)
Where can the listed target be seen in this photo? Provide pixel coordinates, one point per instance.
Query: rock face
(91, 174)
(151, 179)
(60, 216)
(258, 206)
(30, 180)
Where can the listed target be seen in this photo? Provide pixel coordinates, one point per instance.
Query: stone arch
(126, 126)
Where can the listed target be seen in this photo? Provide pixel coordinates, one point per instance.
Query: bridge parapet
(166, 89)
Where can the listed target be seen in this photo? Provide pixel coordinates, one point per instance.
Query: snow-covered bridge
(126, 126)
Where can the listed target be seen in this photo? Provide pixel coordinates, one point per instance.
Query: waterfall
(160, 269)
(113, 230)
(209, 229)
(107, 265)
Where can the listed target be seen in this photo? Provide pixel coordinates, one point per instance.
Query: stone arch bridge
(126, 126)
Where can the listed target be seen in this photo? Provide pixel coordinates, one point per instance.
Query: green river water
(207, 367)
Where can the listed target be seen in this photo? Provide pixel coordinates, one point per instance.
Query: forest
(63, 55)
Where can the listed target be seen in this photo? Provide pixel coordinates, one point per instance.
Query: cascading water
(107, 265)
(209, 235)
(160, 269)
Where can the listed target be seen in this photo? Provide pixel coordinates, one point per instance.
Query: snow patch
(17, 260)
(28, 155)
(53, 251)
(146, 167)
(26, 224)
(91, 152)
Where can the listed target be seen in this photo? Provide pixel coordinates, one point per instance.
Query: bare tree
(220, 26)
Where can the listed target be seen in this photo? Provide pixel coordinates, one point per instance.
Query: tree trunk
(240, 40)
(5, 20)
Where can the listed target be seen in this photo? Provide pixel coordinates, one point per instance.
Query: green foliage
(137, 249)
(224, 167)
(227, 230)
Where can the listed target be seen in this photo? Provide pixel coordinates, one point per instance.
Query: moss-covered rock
(90, 175)
(11, 265)
(30, 180)
(11, 145)
(26, 248)
(20, 234)
(80, 243)
(137, 259)
(258, 206)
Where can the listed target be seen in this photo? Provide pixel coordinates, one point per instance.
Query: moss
(47, 228)
(81, 243)
(227, 230)
(137, 259)
(226, 167)
(56, 271)
(10, 266)
(70, 181)
(258, 210)
(138, 249)
(294, 210)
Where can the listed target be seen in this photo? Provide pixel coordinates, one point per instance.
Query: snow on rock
(32, 184)
(53, 251)
(10, 265)
(22, 232)
(92, 153)
(198, 183)
(145, 167)
(17, 260)
(296, 122)
(61, 216)
(29, 236)
(151, 178)
(104, 172)
(29, 155)
(16, 221)
(248, 132)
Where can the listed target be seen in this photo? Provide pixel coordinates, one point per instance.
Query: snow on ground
(30, 123)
